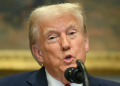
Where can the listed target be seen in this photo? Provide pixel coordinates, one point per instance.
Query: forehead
(59, 22)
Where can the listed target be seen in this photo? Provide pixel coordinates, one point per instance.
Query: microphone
(77, 75)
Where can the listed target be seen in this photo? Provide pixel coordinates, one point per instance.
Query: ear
(86, 41)
(37, 53)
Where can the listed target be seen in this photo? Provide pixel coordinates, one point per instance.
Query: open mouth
(68, 58)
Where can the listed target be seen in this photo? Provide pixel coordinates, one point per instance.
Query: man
(58, 37)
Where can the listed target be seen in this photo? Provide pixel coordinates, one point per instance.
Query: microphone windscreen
(67, 73)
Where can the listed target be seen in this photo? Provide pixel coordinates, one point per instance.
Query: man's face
(61, 44)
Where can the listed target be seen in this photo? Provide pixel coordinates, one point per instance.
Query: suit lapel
(38, 78)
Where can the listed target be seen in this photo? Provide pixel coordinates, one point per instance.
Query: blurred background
(103, 24)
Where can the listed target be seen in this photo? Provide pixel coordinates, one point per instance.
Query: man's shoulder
(101, 82)
(104, 82)
(16, 79)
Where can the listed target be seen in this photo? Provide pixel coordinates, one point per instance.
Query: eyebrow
(71, 24)
(49, 30)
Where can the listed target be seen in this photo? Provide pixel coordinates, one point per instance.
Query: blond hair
(46, 12)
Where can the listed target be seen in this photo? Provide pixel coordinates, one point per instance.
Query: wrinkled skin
(59, 38)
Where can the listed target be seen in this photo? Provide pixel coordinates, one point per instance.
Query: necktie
(67, 85)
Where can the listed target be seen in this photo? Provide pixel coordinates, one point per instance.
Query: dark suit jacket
(38, 78)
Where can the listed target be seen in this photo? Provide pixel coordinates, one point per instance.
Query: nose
(65, 43)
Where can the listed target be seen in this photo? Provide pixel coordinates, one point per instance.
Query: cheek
(78, 44)
(53, 50)
(52, 54)
(79, 50)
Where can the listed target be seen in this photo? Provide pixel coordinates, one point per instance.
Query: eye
(72, 33)
(51, 38)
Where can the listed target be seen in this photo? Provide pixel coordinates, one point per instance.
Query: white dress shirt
(54, 82)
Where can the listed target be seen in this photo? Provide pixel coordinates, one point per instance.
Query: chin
(65, 81)
(64, 66)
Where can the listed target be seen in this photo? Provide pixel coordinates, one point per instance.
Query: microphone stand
(80, 66)
(77, 75)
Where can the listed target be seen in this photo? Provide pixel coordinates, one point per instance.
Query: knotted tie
(67, 85)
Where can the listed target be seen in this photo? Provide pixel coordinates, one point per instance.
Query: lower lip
(68, 60)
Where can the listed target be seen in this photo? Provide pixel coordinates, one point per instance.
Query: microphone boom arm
(80, 66)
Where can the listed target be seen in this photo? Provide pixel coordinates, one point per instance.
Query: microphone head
(74, 75)
(67, 74)
(77, 76)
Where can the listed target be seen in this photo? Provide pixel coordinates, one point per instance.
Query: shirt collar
(54, 82)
